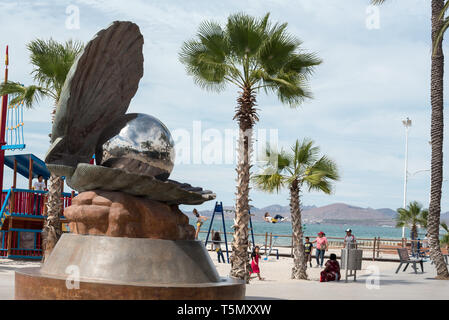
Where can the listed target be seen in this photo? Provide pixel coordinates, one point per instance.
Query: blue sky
(370, 80)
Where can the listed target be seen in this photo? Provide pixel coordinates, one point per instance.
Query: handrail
(3, 211)
(65, 194)
(375, 247)
(26, 230)
(30, 203)
(330, 237)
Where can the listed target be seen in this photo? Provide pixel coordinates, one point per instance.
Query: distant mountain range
(337, 213)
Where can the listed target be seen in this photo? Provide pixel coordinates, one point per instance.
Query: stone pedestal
(118, 214)
(126, 247)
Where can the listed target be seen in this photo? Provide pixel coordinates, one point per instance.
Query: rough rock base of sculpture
(126, 268)
(117, 214)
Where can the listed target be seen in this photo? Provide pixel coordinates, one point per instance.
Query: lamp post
(407, 124)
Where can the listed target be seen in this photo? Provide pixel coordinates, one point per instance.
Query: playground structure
(22, 213)
(218, 209)
(267, 252)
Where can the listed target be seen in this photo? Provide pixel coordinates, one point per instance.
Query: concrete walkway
(376, 280)
(382, 284)
(7, 268)
(386, 286)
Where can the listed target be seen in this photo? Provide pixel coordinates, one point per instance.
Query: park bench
(404, 258)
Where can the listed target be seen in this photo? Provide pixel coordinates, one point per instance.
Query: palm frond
(269, 182)
(445, 238)
(443, 28)
(440, 34)
(206, 58)
(445, 227)
(305, 153)
(250, 53)
(423, 218)
(30, 95)
(274, 166)
(327, 166)
(321, 174)
(318, 184)
(300, 165)
(285, 71)
(444, 10)
(246, 34)
(413, 215)
(276, 50)
(52, 61)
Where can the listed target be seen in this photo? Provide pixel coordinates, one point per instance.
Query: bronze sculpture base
(101, 267)
(30, 284)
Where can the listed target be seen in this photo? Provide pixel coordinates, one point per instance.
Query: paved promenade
(382, 284)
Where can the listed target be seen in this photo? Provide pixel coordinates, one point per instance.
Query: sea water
(311, 230)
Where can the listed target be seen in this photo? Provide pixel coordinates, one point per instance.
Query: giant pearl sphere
(137, 143)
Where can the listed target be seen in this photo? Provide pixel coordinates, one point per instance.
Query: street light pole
(407, 124)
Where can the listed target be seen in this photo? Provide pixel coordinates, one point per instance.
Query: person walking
(321, 246)
(216, 246)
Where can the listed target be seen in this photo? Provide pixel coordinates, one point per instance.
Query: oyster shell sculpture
(134, 152)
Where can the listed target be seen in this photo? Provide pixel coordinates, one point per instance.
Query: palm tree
(51, 62)
(301, 167)
(412, 217)
(436, 136)
(253, 55)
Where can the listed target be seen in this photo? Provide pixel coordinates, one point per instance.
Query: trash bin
(351, 261)
(354, 259)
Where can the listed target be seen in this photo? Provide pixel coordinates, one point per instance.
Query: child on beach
(270, 219)
(308, 251)
(199, 222)
(255, 257)
(216, 240)
(331, 271)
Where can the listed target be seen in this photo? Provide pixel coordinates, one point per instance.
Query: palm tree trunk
(413, 236)
(436, 134)
(52, 230)
(299, 258)
(246, 117)
(52, 226)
